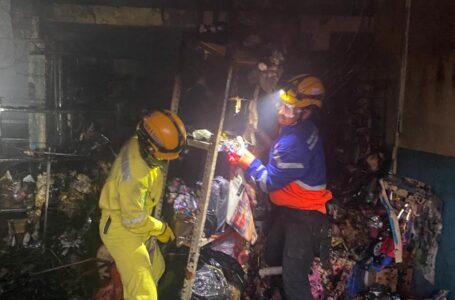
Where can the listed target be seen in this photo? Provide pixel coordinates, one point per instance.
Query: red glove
(239, 154)
(233, 158)
(243, 160)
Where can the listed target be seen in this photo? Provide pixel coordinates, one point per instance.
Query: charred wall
(427, 145)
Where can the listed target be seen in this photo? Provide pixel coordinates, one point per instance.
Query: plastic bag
(239, 212)
(184, 203)
(210, 284)
(217, 210)
(232, 270)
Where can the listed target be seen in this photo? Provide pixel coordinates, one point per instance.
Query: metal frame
(209, 171)
(46, 204)
(174, 108)
(175, 102)
(401, 99)
(197, 240)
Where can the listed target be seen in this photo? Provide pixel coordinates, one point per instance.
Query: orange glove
(166, 235)
(246, 159)
(243, 160)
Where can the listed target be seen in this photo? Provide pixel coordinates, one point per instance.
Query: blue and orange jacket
(295, 175)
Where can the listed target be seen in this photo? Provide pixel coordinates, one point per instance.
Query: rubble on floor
(59, 263)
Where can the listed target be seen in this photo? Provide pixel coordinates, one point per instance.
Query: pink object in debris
(315, 278)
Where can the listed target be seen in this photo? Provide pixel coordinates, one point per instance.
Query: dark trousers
(295, 238)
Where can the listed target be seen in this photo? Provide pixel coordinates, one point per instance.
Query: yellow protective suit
(127, 199)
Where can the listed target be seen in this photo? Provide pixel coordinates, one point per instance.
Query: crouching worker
(127, 199)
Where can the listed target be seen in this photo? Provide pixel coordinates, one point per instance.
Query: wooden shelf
(198, 144)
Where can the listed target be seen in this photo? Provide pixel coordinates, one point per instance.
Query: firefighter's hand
(166, 235)
(233, 158)
(239, 155)
(236, 148)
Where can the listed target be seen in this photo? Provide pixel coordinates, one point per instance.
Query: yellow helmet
(302, 91)
(162, 134)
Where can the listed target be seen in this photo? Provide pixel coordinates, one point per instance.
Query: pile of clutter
(229, 231)
(27, 196)
(380, 237)
(73, 194)
(74, 190)
(384, 228)
(71, 237)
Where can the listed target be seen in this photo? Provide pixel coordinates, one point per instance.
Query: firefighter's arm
(133, 195)
(286, 165)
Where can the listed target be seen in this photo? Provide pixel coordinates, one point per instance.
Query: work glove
(166, 234)
(239, 155)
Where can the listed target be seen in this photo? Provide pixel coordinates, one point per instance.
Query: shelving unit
(199, 144)
(46, 157)
(209, 171)
(198, 239)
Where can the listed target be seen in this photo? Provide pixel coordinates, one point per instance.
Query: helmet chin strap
(148, 157)
(305, 114)
(152, 161)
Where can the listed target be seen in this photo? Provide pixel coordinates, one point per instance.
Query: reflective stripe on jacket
(295, 175)
(132, 190)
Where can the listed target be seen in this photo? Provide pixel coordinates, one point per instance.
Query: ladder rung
(206, 241)
(12, 210)
(198, 144)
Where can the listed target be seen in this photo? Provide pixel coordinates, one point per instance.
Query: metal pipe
(59, 84)
(30, 152)
(59, 103)
(404, 67)
(264, 272)
(52, 111)
(70, 265)
(54, 81)
(46, 204)
(176, 93)
(26, 159)
(12, 210)
(1, 118)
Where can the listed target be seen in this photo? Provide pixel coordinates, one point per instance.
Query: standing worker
(131, 191)
(295, 179)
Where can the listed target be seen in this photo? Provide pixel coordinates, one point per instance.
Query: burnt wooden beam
(130, 16)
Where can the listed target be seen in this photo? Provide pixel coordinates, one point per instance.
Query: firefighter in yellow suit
(127, 199)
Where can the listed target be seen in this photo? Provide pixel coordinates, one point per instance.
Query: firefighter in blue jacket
(295, 180)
